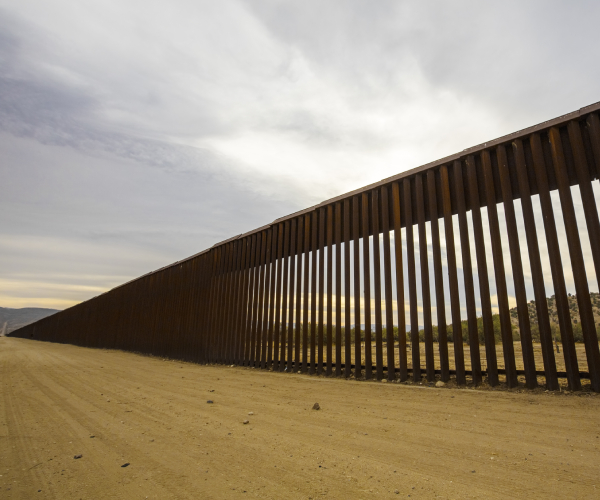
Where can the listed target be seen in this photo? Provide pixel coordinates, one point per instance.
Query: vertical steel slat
(155, 311)
(298, 293)
(231, 306)
(501, 290)
(245, 303)
(290, 343)
(329, 288)
(412, 283)
(482, 272)
(183, 347)
(387, 284)
(338, 289)
(440, 302)
(236, 302)
(235, 286)
(262, 298)
(223, 252)
(357, 321)
(216, 331)
(196, 325)
(467, 273)
(517, 269)
(306, 304)
(284, 298)
(537, 274)
(257, 296)
(250, 304)
(313, 293)
(459, 356)
(396, 211)
(367, 283)
(377, 283)
(556, 266)
(273, 263)
(222, 302)
(247, 333)
(163, 314)
(226, 302)
(277, 326)
(579, 274)
(347, 285)
(209, 304)
(239, 349)
(202, 307)
(587, 193)
(158, 337)
(322, 215)
(268, 303)
(215, 305)
(178, 312)
(208, 294)
(425, 282)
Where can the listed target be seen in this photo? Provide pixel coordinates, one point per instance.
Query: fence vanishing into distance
(327, 290)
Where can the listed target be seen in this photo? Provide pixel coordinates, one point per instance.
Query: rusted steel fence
(448, 246)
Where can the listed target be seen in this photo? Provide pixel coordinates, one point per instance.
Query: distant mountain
(13, 319)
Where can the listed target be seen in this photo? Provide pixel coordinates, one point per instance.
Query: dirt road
(369, 440)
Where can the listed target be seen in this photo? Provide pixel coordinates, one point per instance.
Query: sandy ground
(369, 440)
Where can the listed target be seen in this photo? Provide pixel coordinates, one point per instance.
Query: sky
(136, 133)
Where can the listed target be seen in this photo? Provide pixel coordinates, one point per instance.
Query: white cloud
(135, 133)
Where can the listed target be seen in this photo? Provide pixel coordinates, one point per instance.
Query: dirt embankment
(369, 440)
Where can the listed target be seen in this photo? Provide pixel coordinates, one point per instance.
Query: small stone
(316, 406)
(126, 464)
(396, 492)
(39, 491)
(472, 471)
(78, 456)
(384, 380)
(439, 383)
(246, 422)
(92, 436)
(210, 401)
(251, 413)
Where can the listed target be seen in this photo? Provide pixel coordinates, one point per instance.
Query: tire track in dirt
(368, 440)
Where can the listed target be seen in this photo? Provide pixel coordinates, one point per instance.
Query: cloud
(133, 134)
